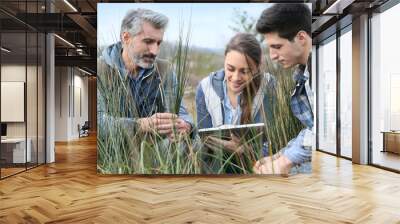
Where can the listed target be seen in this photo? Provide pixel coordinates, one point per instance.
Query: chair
(84, 130)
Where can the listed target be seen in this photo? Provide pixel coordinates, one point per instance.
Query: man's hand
(162, 123)
(268, 165)
(234, 145)
(181, 128)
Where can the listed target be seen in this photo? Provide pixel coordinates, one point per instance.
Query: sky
(209, 22)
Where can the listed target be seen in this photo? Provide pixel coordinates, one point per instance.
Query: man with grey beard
(134, 61)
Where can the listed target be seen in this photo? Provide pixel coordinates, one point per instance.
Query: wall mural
(194, 88)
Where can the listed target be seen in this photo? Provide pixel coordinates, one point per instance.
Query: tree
(244, 23)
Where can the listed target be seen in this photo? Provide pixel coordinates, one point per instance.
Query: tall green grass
(123, 149)
(282, 126)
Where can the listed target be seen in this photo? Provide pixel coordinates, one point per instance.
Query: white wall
(79, 117)
(11, 73)
(33, 126)
(61, 103)
(70, 83)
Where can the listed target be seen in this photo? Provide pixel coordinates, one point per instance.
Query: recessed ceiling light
(70, 5)
(64, 40)
(338, 6)
(84, 71)
(5, 50)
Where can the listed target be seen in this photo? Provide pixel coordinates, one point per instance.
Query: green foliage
(282, 125)
(244, 23)
(181, 67)
(122, 149)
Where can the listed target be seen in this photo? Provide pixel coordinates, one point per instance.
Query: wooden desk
(13, 150)
(391, 141)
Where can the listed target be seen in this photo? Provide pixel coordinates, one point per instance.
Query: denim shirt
(145, 89)
(231, 115)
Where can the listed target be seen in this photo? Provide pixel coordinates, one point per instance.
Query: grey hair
(133, 21)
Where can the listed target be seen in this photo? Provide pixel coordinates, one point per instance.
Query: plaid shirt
(300, 103)
(146, 92)
(298, 150)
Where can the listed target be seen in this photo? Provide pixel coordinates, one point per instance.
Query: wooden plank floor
(70, 191)
(10, 171)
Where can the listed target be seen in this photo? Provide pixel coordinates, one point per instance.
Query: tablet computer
(240, 131)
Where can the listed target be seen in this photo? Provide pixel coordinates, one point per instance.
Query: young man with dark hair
(287, 32)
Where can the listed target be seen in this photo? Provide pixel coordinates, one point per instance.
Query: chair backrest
(86, 125)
